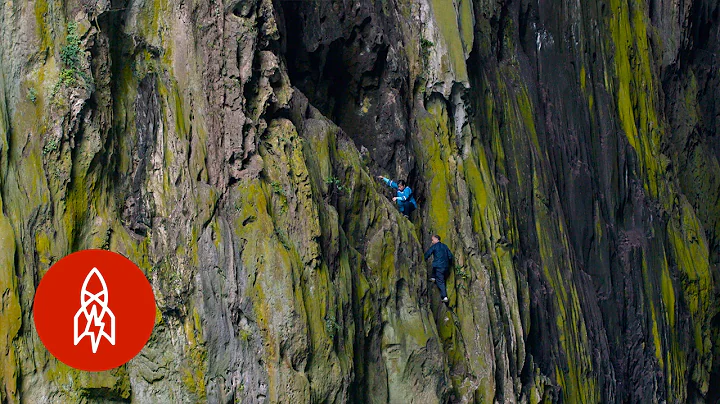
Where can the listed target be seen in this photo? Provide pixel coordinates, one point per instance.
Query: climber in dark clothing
(405, 199)
(442, 257)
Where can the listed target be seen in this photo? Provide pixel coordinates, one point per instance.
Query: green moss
(513, 136)
(691, 254)
(10, 311)
(572, 333)
(331, 326)
(649, 298)
(73, 57)
(41, 10)
(193, 375)
(466, 24)
(70, 52)
(668, 296)
(528, 115)
(182, 121)
(273, 270)
(193, 131)
(447, 21)
(137, 252)
(690, 98)
(32, 95)
(80, 202)
(42, 248)
(380, 258)
(434, 138)
(77, 385)
(277, 188)
(149, 21)
(637, 106)
(636, 94)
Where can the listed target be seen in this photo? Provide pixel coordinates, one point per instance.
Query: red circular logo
(94, 310)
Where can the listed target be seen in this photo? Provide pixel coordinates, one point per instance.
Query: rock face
(567, 152)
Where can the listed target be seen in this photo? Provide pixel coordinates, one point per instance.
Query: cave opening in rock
(320, 74)
(351, 68)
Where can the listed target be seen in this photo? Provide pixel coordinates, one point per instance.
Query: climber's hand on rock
(394, 199)
(380, 177)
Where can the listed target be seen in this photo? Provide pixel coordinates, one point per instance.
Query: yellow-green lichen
(466, 24)
(193, 375)
(637, 109)
(10, 310)
(41, 11)
(572, 333)
(447, 20)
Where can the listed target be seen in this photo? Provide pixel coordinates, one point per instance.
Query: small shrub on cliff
(277, 188)
(67, 77)
(425, 46)
(462, 275)
(70, 53)
(335, 182)
(335, 188)
(32, 95)
(461, 272)
(51, 146)
(331, 326)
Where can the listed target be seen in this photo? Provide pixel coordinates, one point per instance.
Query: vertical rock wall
(566, 152)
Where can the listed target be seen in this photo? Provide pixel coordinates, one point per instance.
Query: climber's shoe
(432, 280)
(445, 300)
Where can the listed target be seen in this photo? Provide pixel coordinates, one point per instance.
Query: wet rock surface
(567, 153)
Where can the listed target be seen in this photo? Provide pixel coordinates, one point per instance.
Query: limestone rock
(567, 153)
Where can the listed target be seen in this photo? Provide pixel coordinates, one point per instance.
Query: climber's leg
(406, 207)
(401, 207)
(409, 208)
(440, 275)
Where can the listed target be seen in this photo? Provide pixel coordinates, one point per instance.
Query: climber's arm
(429, 252)
(389, 182)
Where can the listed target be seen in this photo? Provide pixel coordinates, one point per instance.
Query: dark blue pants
(405, 207)
(440, 274)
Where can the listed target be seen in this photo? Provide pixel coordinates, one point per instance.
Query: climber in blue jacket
(442, 257)
(405, 199)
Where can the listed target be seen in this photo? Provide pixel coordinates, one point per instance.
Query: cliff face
(567, 152)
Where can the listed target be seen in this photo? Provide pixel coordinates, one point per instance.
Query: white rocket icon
(92, 317)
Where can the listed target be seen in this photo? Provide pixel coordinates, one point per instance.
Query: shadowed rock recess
(567, 152)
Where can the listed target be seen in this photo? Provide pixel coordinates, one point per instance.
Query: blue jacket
(442, 255)
(405, 195)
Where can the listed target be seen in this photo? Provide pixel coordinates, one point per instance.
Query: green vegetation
(32, 95)
(51, 146)
(462, 276)
(67, 77)
(425, 46)
(334, 184)
(277, 188)
(240, 389)
(447, 20)
(70, 55)
(331, 326)
(343, 269)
